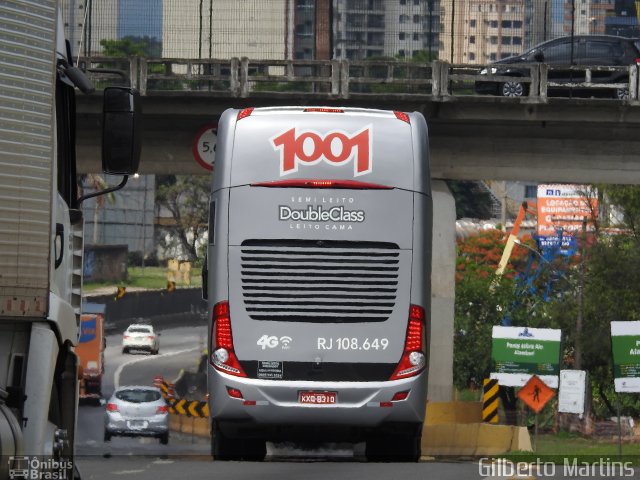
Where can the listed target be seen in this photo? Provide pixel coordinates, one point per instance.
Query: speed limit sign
(204, 146)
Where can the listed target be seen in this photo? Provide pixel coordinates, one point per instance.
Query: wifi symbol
(285, 341)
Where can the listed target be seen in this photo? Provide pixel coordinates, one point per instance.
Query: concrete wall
(442, 293)
(150, 303)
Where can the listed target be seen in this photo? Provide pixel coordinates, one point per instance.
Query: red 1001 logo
(336, 147)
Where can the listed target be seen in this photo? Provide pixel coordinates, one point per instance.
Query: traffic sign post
(625, 340)
(519, 352)
(535, 394)
(203, 146)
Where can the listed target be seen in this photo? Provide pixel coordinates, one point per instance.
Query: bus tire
(226, 448)
(402, 445)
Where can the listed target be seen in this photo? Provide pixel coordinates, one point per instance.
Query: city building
(586, 17)
(623, 19)
(225, 28)
(385, 28)
(88, 22)
(483, 31)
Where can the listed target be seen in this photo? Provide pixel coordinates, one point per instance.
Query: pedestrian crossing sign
(536, 394)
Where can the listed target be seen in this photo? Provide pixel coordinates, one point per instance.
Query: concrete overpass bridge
(533, 138)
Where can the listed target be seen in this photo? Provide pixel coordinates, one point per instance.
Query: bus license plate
(318, 398)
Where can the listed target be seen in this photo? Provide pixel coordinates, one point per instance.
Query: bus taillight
(223, 356)
(316, 183)
(413, 358)
(245, 113)
(402, 116)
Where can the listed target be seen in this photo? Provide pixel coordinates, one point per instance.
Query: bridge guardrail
(585, 79)
(342, 79)
(373, 77)
(311, 77)
(111, 71)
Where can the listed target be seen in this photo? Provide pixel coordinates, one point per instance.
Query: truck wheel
(164, 439)
(125, 350)
(226, 448)
(399, 446)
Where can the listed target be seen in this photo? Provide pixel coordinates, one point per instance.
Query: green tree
(609, 271)
(611, 275)
(186, 199)
(423, 56)
(482, 303)
(471, 200)
(627, 199)
(477, 310)
(132, 46)
(96, 182)
(611, 294)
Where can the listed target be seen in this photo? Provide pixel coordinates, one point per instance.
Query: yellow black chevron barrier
(167, 389)
(180, 406)
(490, 400)
(193, 408)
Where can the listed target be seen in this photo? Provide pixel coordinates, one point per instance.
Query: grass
(147, 277)
(556, 448)
(468, 395)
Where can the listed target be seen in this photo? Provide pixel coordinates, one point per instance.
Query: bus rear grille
(319, 281)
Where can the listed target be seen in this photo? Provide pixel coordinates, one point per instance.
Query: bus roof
(289, 144)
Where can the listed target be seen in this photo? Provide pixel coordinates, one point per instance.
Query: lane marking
(116, 375)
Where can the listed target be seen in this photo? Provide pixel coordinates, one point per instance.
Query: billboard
(520, 352)
(625, 346)
(561, 211)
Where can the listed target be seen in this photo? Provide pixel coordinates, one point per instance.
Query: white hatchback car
(140, 336)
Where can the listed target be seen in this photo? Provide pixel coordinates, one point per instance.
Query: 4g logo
(271, 341)
(336, 147)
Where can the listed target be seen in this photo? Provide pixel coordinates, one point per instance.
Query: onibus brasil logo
(336, 148)
(37, 468)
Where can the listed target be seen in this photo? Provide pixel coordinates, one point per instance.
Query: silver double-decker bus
(318, 280)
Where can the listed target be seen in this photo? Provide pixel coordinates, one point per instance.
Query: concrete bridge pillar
(443, 267)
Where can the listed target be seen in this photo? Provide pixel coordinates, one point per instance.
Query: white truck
(41, 228)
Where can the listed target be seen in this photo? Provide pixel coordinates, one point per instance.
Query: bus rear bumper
(274, 409)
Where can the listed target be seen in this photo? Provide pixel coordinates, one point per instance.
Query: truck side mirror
(121, 129)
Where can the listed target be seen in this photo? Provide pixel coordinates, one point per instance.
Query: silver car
(140, 336)
(137, 411)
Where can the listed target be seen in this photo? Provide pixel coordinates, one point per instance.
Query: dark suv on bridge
(588, 50)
